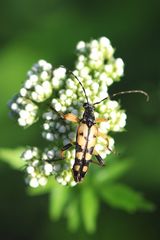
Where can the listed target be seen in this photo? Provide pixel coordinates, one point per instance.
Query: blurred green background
(34, 29)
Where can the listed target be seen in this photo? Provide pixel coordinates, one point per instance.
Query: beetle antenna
(100, 101)
(125, 92)
(70, 72)
(132, 91)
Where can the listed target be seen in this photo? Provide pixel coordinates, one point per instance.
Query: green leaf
(73, 214)
(112, 172)
(123, 197)
(58, 198)
(12, 157)
(89, 207)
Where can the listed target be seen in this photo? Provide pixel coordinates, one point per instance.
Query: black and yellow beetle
(87, 133)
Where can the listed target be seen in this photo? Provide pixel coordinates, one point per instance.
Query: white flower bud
(39, 89)
(95, 54)
(33, 79)
(56, 82)
(73, 183)
(24, 114)
(48, 168)
(62, 129)
(69, 92)
(46, 86)
(28, 154)
(42, 62)
(48, 115)
(104, 42)
(30, 107)
(34, 183)
(44, 75)
(64, 183)
(94, 44)
(49, 136)
(112, 105)
(58, 107)
(108, 68)
(35, 163)
(59, 73)
(30, 169)
(45, 65)
(59, 179)
(23, 92)
(80, 46)
(28, 84)
(42, 181)
(68, 177)
(80, 65)
(14, 106)
(34, 96)
(119, 65)
(22, 122)
(113, 115)
(46, 126)
(50, 154)
(63, 97)
(68, 101)
(104, 126)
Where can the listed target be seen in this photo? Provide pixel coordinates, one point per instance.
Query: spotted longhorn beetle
(87, 133)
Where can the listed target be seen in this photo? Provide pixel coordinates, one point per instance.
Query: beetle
(87, 134)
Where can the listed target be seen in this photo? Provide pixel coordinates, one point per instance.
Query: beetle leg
(102, 135)
(66, 147)
(100, 161)
(71, 117)
(99, 120)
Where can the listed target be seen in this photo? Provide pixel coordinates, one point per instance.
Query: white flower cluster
(38, 85)
(37, 88)
(40, 165)
(35, 169)
(25, 110)
(64, 174)
(97, 56)
(97, 69)
(55, 128)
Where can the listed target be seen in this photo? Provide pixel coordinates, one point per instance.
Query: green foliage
(72, 214)
(81, 204)
(114, 171)
(58, 198)
(89, 208)
(124, 197)
(12, 157)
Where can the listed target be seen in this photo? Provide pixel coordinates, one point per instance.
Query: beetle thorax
(88, 116)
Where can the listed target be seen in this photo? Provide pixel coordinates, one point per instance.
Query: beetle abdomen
(79, 169)
(85, 143)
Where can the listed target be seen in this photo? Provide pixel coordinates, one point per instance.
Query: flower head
(96, 68)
